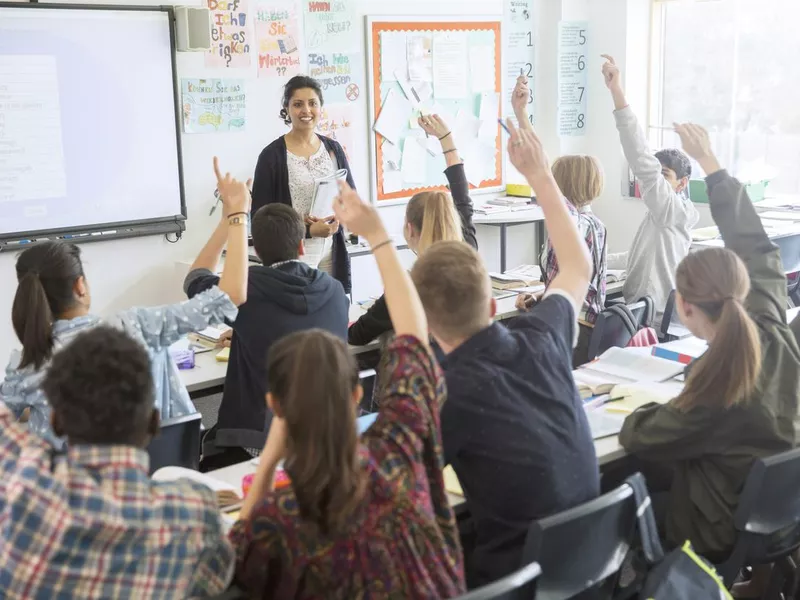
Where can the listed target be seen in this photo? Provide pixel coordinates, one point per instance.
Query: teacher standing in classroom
(287, 168)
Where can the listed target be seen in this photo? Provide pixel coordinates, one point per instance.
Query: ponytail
(33, 321)
(716, 282)
(434, 216)
(46, 273)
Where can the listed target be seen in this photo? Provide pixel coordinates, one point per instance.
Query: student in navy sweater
(284, 295)
(287, 168)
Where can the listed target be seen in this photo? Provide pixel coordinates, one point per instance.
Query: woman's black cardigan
(271, 184)
(376, 320)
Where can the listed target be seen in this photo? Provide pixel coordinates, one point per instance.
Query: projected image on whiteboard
(87, 119)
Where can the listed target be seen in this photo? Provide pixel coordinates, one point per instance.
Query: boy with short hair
(513, 425)
(91, 523)
(665, 235)
(284, 295)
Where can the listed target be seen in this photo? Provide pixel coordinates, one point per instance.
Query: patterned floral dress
(402, 541)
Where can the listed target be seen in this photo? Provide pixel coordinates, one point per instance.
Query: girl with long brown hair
(741, 397)
(362, 518)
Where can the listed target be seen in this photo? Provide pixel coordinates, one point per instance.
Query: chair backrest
(767, 519)
(617, 324)
(584, 546)
(517, 585)
(367, 379)
(670, 315)
(177, 444)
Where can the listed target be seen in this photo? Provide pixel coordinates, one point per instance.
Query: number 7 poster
(277, 34)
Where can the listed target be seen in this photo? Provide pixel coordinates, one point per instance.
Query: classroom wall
(148, 270)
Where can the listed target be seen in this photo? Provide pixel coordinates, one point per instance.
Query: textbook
(210, 336)
(616, 275)
(518, 277)
(631, 365)
(326, 189)
(681, 351)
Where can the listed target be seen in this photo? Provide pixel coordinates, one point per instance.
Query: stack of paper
(326, 189)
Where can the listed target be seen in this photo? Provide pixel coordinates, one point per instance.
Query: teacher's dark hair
(46, 274)
(298, 82)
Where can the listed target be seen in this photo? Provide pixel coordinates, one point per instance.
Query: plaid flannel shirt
(594, 233)
(92, 524)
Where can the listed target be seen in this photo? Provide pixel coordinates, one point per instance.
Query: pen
(617, 399)
(503, 125)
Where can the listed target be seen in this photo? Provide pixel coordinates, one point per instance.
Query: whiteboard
(89, 138)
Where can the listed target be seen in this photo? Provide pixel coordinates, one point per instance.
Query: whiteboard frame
(373, 147)
(122, 229)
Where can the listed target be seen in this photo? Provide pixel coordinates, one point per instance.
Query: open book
(625, 366)
(616, 275)
(518, 277)
(325, 191)
(227, 495)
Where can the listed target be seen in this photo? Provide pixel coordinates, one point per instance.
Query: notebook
(326, 189)
(227, 495)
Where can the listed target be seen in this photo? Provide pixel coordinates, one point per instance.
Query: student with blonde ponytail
(430, 217)
(741, 397)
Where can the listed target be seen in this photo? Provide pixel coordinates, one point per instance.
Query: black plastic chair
(767, 521)
(367, 379)
(581, 549)
(516, 586)
(177, 444)
(618, 323)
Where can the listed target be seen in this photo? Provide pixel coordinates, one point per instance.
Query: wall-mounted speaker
(192, 29)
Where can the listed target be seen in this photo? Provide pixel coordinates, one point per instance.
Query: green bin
(756, 190)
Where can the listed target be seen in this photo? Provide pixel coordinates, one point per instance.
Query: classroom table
(510, 218)
(788, 240)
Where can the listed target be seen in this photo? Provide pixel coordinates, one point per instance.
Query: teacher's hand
(322, 228)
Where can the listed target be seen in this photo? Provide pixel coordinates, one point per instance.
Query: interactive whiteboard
(89, 142)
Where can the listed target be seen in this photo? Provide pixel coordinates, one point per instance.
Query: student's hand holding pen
(436, 126)
(520, 98)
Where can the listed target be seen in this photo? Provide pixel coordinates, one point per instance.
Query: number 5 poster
(277, 32)
(572, 77)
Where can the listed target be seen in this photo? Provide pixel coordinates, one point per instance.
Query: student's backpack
(681, 574)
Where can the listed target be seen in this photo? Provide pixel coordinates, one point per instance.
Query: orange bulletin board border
(377, 25)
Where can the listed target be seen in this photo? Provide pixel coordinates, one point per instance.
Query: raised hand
(235, 194)
(611, 73)
(697, 144)
(358, 216)
(526, 153)
(520, 99)
(434, 125)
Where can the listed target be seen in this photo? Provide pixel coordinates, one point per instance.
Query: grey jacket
(665, 234)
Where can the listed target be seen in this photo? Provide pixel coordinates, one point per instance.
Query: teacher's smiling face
(304, 109)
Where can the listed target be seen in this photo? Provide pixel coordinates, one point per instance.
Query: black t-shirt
(515, 431)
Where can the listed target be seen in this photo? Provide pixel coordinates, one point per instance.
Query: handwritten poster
(230, 34)
(337, 123)
(330, 25)
(213, 105)
(572, 77)
(277, 32)
(340, 74)
(518, 28)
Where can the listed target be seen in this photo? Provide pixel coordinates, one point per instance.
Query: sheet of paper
(395, 113)
(481, 68)
(635, 367)
(438, 109)
(392, 182)
(176, 473)
(489, 113)
(325, 192)
(420, 57)
(394, 63)
(479, 162)
(213, 105)
(572, 77)
(391, 156)
(414, 157)
(450, 69)
(277, 29)
(466, 127)
(230, 24)
(405, 85)
(421, 91)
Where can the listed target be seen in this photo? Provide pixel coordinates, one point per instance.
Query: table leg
(503, 248)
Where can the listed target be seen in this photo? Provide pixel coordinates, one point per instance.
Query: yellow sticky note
(223, 355)
(451, 483)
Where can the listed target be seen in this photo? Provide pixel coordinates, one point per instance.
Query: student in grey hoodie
(665, 234)
(284, 295)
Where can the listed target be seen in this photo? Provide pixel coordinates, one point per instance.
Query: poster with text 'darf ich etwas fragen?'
(519, 32)
(332, 48)
(230, 34)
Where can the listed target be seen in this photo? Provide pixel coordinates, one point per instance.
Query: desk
(507, 219)
(787, 240)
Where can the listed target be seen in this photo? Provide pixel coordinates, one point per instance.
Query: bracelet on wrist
(236, 214)
(451, 150)
(445, 135)
(380, 245)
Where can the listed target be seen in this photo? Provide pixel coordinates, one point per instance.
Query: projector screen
(88, 125)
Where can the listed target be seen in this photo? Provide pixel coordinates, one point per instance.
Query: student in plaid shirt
(90, 523)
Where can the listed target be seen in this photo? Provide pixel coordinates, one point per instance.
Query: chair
(517, 585)
(367, 379)
(177, 444)
(767, 520)
(618, 323)
(580, 549)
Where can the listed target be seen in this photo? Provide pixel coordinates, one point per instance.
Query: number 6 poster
(572, 77)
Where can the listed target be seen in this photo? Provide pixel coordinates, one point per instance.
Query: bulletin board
(470, 82)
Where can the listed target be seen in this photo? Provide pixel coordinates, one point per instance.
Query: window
(732, 66)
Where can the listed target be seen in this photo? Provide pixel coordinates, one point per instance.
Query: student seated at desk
(741, 397)
(284, 295)
(513, 426)
(362, 518)
(430, 218)
(665, 235)
(52, 306)
(90, 523)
